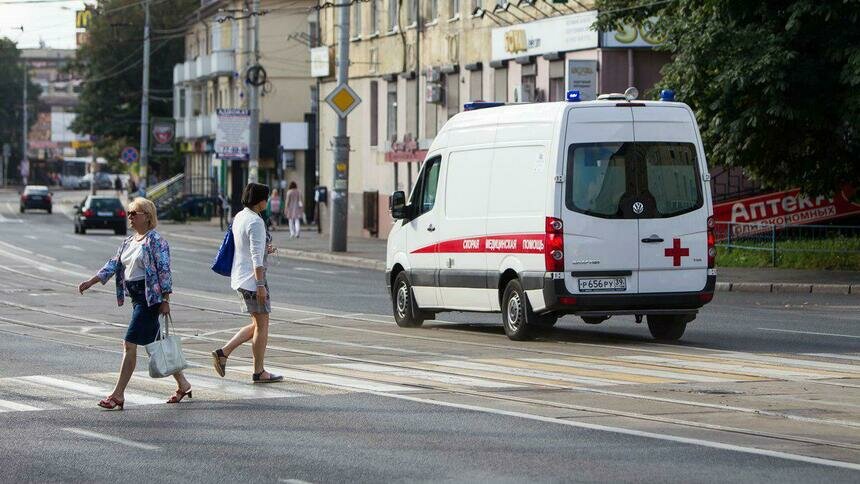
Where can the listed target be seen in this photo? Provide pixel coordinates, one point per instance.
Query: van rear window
(604, 178)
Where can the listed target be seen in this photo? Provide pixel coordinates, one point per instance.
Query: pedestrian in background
(142, 270)
(293, 209)
(248, 278)
(275, 209)
(117, 185)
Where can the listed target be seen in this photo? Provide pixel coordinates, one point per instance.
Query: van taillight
(712, 244)
(554, 245)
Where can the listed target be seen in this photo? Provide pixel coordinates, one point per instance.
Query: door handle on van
(431, 228)
(652, 240)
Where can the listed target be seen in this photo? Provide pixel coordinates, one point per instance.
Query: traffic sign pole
(340, 183)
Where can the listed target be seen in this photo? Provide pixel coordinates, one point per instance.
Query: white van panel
(594, 244)
(466, 186)
(669, 123)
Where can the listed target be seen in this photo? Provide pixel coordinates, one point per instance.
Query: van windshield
(606, 179)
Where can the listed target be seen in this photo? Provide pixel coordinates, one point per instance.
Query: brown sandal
(110, 403)
(220, 366)
(178, 395)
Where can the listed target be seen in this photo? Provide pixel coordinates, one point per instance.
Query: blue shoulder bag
(223, 263)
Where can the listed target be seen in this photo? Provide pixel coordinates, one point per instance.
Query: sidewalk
(370, 254)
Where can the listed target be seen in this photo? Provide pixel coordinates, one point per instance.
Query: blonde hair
(146, 206)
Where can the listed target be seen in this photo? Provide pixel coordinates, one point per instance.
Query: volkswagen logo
(638, 208)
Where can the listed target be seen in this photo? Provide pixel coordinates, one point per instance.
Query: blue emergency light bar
(480, 105)
(573, 96)
(667, 95)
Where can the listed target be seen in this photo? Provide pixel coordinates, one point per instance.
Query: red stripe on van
(499, 244)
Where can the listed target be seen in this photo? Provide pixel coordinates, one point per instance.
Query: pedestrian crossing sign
(343, 100)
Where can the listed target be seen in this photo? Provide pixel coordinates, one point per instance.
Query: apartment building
(217, 56)
(414, 63)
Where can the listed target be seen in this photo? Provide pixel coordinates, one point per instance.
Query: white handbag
(165, 353)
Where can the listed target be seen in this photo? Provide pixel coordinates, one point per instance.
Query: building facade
(414, 63)
(217, 56)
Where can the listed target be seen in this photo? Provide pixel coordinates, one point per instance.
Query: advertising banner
(786, 208)
(555, 34)
(163, 134)
(233, 134)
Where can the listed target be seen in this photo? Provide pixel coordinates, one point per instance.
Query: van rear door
(601, 237)
(673, 227)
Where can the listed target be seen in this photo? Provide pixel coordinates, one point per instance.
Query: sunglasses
(132, 212)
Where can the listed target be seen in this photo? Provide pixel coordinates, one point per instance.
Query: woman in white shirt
(142, 270)
(248, 278)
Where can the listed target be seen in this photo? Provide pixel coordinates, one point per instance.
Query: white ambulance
(594, 209)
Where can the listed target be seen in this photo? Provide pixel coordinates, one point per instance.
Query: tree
(775, 85)
(111, 66)
(11, 94)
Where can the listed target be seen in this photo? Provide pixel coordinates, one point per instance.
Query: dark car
(36, 196)
(103, 182)
(100, 212)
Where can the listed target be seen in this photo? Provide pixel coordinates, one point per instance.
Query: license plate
(603, 284)
(105, 214)
(35, 197)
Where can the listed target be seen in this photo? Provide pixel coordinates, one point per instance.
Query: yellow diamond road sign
(343, 100)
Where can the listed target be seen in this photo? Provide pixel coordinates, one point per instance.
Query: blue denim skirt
(143, 328)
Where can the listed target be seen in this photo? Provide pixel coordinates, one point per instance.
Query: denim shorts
(143, 328)
(249, 303)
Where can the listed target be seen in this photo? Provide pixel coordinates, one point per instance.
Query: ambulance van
(593, 209)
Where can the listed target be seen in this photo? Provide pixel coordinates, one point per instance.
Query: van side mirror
(397, 205)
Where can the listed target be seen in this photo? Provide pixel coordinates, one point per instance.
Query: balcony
(179, 74)
(180, 128)
(201, 67)
(188, 71)
(222, 62)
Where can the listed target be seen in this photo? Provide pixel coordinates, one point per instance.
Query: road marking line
(73, 247)
(835, 355)
(526, 372)
(72, 264)
(77, 387)
(7, 406)
(679, 374)
(611, 372)
(353, 383)
(631, 432)
(739, 367)
(110, 438)
(810, 332)
(423, 375)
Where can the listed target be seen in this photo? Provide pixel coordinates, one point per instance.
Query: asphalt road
(762, 387)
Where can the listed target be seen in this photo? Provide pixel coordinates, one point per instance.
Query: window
(412, 12)
(431, 120)
(556, 81)
(425, 190)
(411, 107)
(391, 132)
(374, 113)
(604, 179)
(355, 30)
(476, 85)
(453, 8)
(181, 103)
(374, 16)
(432, 10)
(476, 4)
(500, 85)
(452, 94)
(528, 83)
(393, 14)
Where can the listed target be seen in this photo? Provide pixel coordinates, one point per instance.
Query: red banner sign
(788, 208)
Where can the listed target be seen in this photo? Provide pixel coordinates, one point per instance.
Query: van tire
(667, 328)
(515, 304)
(406, 312)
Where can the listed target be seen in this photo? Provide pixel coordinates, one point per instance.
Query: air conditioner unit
(433, 94)
(434, 74)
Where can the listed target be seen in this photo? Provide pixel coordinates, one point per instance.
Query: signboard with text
(233, 136)
(555, 34)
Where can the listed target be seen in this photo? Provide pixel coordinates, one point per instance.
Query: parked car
(103, 181)
(36, 196)
(100, 212)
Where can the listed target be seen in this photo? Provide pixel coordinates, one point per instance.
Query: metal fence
(778, 241)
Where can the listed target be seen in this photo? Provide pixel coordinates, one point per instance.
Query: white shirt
(132, 260)
(249, 234)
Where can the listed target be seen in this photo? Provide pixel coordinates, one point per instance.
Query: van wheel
(517, 316)
(406, 312)
(668, 328)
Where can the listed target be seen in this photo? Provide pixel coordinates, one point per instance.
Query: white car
(595, 209)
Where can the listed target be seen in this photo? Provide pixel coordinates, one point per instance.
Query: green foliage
(775, 85)
(111, 64)
(839, 253)
(11, 94)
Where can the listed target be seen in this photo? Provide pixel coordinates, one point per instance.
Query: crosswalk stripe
(621, 373)
(88, 389)
(7, 406)
(408, 373)
(852, 370)
(524, 372)
(737, 367)
(835, 355)
(211, 388)
(326, 379)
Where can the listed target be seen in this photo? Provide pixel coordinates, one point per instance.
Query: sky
(52, 21)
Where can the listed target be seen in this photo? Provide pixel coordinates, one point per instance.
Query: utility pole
(93, 168)
(144, 104)
(254, 98)
(25, 161)
(340, 183)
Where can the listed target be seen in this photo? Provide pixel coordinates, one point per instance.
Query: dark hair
(293, 184)
(254, 193)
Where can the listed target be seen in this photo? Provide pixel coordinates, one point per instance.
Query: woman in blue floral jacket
(142, 270)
